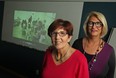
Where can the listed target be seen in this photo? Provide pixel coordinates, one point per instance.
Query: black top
(104, 67)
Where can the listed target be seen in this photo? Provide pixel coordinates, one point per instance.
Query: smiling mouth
(58, 42)
(93, 30)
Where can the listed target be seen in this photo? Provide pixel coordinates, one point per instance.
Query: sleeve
(78, 44)
(46, 54)
(44, 62)
(83, 71)
(111, 64)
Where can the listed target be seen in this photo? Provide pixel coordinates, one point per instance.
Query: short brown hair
(60, 23)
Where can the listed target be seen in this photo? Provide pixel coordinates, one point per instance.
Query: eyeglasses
(97, 24)
(61, 34)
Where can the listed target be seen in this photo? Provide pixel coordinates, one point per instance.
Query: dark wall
(107, 8)
(19, 59)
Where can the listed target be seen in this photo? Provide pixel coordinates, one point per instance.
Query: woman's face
(60, 38)
(94, 27)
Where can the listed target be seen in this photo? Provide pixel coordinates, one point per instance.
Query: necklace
(94, 58)
(60, 59)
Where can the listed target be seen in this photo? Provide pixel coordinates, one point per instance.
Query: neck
(62, 54)
(92, 45)
(93, 40)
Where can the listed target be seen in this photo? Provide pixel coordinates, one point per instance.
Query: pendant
(94, 60)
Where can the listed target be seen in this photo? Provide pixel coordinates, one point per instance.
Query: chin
(94, 34)
(58, 47)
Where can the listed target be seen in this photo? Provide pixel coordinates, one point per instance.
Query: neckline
(101, 43)
(93, 56)
(66, 61)
(56, 57)
(85, 53)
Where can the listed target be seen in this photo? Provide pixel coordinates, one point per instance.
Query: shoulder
(108, 49)
(49, 50)
(80, 56)
(78, 40)
(108, 46)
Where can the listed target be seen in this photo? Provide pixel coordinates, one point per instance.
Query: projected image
(32, 26)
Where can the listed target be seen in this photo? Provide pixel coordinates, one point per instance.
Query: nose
(93, 25)
(57, 35)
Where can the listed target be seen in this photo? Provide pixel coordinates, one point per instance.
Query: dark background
(18, 61)
(107, 8)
